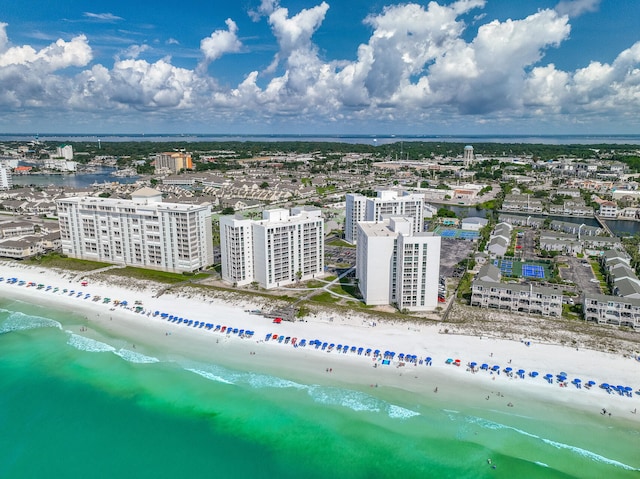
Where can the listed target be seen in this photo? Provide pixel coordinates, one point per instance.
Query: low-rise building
(525, 298)
(608, 209)
(473, 223)
(614, 310)
(565, 243)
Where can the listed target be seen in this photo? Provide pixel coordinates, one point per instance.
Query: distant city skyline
(476, 67)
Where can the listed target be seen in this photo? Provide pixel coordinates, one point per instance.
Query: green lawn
(153, 275)
(55, 260)
(340, 242)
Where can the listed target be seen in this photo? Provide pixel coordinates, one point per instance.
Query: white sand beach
(151, 333)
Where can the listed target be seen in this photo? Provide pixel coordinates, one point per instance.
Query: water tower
(468, 155)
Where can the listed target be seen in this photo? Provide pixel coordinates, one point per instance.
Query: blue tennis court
(533, 271)
(456, 233)
(470, 235)
(448, 233)
(506, 266)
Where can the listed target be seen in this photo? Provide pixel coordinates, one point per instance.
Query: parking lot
(453, 251)
(581, 273)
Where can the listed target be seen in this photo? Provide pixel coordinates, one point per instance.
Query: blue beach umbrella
(508, 369)
(484, 366)
(533, 374)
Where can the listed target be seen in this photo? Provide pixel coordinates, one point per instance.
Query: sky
(493, 67)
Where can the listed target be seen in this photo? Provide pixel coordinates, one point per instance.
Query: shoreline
(310, 365)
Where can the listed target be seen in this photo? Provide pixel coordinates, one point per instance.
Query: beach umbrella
(605, 386)
(428, 359)
(496, 368)
(473, 364)
(533, 374)
(484, 366)
(591, 383)
(508, 370)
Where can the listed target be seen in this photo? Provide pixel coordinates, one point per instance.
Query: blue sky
(306, 66)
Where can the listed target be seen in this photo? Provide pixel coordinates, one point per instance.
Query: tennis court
(505, 266)
(532, 271)
(456, 233)
(518, 269)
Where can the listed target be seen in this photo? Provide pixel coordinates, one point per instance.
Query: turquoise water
(75, 407)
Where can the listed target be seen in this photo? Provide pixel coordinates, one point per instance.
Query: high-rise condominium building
(141, 232)
(387, 203)
(282, 248)
(172, 162)
(397, 266)
(6, 180)
(64, 151)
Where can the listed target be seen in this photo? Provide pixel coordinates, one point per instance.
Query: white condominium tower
(64, 151)
(278, 250)
(6, 181)
(387, 203)
(396, 266)
(140, 232)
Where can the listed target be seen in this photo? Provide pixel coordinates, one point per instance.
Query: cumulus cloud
(294, 33)
(575, 8)
(135, 84)
(58, 55)
(419, 63)
(221, 42)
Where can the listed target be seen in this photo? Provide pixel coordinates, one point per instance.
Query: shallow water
(73, 406)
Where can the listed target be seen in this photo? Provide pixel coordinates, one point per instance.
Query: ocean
(76, 407)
